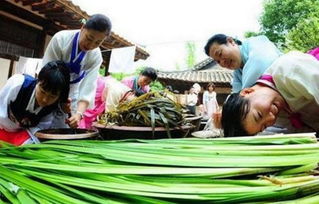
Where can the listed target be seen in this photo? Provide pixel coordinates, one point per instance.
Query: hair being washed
(235, 110)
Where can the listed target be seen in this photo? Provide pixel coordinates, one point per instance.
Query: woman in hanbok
(109, 94)
(249, 59)
(80, 50)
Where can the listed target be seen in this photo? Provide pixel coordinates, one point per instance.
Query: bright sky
(163, 27)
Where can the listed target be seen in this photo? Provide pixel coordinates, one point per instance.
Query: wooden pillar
(40, 48)
(11, 67)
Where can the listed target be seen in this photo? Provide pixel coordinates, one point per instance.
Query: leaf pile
(153, 109)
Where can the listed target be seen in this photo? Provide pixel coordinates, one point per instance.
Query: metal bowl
(113, 132)
(66, 134)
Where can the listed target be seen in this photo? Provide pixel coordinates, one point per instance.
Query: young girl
(109, 94)
(209, 101)
(140, 84)
(26, 103)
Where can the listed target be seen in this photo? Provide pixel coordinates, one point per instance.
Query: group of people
(271, 91)
(269, 88)
(68, 91)
(210, 104)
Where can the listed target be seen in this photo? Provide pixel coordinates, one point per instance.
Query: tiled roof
(63, 14)
(220, 76)
(206, 63)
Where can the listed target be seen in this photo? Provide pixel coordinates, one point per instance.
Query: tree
(191, 58)
(281, 16)
(304, 36)
(249, 34)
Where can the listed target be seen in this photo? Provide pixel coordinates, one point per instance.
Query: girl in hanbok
(27, 103)
(80, 50)
(286, 94)
(209, 101)
(140, 83)
(109, 94)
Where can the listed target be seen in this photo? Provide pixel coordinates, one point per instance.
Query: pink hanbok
(90, 115)
(314, 52)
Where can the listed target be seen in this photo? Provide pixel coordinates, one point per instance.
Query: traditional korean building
(203, 73)
(26, 27)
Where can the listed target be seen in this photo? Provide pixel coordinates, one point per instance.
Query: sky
(163, 27)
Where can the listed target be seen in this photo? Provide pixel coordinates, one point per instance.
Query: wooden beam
(58, 15)
(42, 6)
(28, 16)
(29, 2)
(74, 9)
(52, 10)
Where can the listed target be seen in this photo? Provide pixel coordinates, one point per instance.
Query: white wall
(4, 65)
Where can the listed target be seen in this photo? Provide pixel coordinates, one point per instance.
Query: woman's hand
(74, 120)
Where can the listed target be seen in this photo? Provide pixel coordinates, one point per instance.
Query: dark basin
(66, 133)
(128, 132)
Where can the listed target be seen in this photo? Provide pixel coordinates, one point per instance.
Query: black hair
(220, 39)
(149, 72)
(55, 78)
(235, 110)
(211, 84)
(99, 22)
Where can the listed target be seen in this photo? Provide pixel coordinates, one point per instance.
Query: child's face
(143, 80)
(211, 88)
(264, 107)
(44, 98)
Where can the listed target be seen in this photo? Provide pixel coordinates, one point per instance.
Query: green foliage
(121, 75)
(281, 16)
(102, 70)
(191, 58)
(139, 69)
(305, 35)
(249, 34)
(156, 86)
(153, 109)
